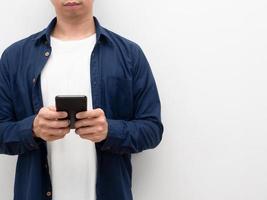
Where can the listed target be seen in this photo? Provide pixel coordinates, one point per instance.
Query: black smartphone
(72, 104)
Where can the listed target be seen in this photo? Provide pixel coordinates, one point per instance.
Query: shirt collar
(101, 32)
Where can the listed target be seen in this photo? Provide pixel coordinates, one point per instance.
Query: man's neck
(73, 29)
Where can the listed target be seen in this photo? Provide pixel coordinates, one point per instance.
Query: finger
(52, 138)
(86, 130)
(93, 138)
(57, 123)
(90, 113)
(50, 114)
(52, 123)
(53, 108)
(85, 122)
(57, 131)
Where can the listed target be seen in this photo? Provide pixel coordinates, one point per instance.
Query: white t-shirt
(72, 160)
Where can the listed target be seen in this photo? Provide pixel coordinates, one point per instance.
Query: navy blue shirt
(122, 85)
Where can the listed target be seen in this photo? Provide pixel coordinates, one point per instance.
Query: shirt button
(47, 53)
(48, 194)
(33, 80)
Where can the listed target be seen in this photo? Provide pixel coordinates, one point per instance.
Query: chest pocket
(119, 96)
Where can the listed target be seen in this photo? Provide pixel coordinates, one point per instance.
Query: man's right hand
(47, 126)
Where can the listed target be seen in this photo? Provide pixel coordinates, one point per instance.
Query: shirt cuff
(115, 135)
(25, 129)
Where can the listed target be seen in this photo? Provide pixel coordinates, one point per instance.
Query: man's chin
(72, 16)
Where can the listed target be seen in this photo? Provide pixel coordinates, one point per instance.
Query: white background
(209, 60)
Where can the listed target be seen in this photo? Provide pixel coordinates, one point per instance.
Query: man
(76, 55)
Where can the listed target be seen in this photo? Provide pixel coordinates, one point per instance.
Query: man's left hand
(92, 125)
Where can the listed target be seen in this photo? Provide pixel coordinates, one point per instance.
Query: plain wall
(209, 60)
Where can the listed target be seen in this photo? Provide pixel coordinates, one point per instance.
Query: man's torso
(71, 160)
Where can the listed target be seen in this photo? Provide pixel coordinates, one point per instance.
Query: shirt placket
(37, 105)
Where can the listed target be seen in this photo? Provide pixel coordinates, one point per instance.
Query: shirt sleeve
(16, 137)
(146, 129)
